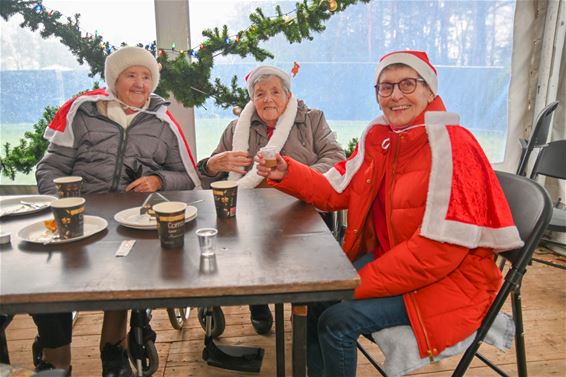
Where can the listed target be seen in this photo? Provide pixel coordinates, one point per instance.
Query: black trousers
(55, 329)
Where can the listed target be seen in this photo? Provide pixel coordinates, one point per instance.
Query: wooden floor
(544, 310)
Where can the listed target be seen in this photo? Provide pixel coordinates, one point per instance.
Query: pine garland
(187, 79)
(24, 156)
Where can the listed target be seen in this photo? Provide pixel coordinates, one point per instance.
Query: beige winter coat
(311, 141)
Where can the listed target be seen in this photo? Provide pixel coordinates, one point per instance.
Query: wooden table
(276, 250)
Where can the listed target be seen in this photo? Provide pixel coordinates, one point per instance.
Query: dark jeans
(334, 327)
(55, 329)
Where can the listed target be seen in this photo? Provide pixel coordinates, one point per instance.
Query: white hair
(267, 76)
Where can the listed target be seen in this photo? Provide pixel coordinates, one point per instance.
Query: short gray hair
(267, 76)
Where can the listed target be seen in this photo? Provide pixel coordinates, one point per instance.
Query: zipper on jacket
(392, 240)
(119, 160)
(121, 146)
(419, 318)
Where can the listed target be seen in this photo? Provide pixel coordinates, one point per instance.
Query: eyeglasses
(406, 86)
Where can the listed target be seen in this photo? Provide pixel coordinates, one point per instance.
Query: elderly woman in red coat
(426, 216)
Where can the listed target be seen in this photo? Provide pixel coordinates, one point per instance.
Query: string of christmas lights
(188, 81)
(179, 74)
(108, 48)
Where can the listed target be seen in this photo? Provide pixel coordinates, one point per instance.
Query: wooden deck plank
(544, 311)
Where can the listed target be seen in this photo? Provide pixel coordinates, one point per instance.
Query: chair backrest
(531, 208)
(551, 161)
(539, 135)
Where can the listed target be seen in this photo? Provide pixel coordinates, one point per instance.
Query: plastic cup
(68, 187)
(208, 265)
(269, 156)
(69, 217)
(225, 198)
(170, 218)
(207, 241)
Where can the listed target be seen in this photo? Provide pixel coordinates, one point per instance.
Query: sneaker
(115, 361)
(261, 317)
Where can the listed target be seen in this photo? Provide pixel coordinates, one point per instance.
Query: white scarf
(241, 139)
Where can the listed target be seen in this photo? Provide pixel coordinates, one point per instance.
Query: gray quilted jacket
(109, 157)
(311, 142)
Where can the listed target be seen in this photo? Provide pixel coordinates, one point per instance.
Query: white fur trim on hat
(267, 70)
(415, 61)
(126, 57)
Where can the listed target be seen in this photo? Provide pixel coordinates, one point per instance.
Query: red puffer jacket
(447, 288)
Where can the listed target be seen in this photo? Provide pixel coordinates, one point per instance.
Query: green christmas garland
(186, 79)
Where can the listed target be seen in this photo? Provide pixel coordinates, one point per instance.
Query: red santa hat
(417, 60)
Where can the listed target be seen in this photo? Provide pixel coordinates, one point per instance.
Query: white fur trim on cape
(338, 181)
(186, 157)
(67, 137)
(435, 226)
(241, 138)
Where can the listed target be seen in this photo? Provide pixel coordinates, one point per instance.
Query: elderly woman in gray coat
(123, 139)
(273, 117)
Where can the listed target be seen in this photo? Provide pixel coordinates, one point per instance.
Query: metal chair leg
(370, 358)
(519, 332)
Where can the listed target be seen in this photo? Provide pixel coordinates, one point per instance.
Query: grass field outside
(208, 132)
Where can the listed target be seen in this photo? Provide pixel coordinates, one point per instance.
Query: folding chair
(551, 162)
(532, 208)
(538, 137)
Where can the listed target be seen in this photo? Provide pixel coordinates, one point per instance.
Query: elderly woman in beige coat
(273, 117)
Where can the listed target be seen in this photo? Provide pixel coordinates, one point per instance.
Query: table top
(276, 249)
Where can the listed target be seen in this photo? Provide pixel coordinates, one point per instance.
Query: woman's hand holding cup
(277, 172)
(229, 161)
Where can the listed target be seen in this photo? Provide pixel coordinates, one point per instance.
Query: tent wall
(537, 78)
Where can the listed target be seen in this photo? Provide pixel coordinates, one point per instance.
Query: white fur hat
(267, 70)
(417, 60)
(126, 57)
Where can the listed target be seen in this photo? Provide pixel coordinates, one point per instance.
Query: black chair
(539, 136)
(551, 162)
(532, 208)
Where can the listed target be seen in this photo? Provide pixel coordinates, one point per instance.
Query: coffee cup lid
(224, 184)
(68, 202)
(68, 179)
(169, 207)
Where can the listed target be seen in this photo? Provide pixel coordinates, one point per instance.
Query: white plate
(14, 207)
(131, 218)
(38, 233)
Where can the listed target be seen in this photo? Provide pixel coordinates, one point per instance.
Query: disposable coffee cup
(69, 217)
(170, 218)
(68, 187)
(225, 198)
(207, 241)
(269, 156)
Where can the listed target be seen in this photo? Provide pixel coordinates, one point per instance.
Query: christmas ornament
(295, 69)
(236, 110)
(332, 5)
